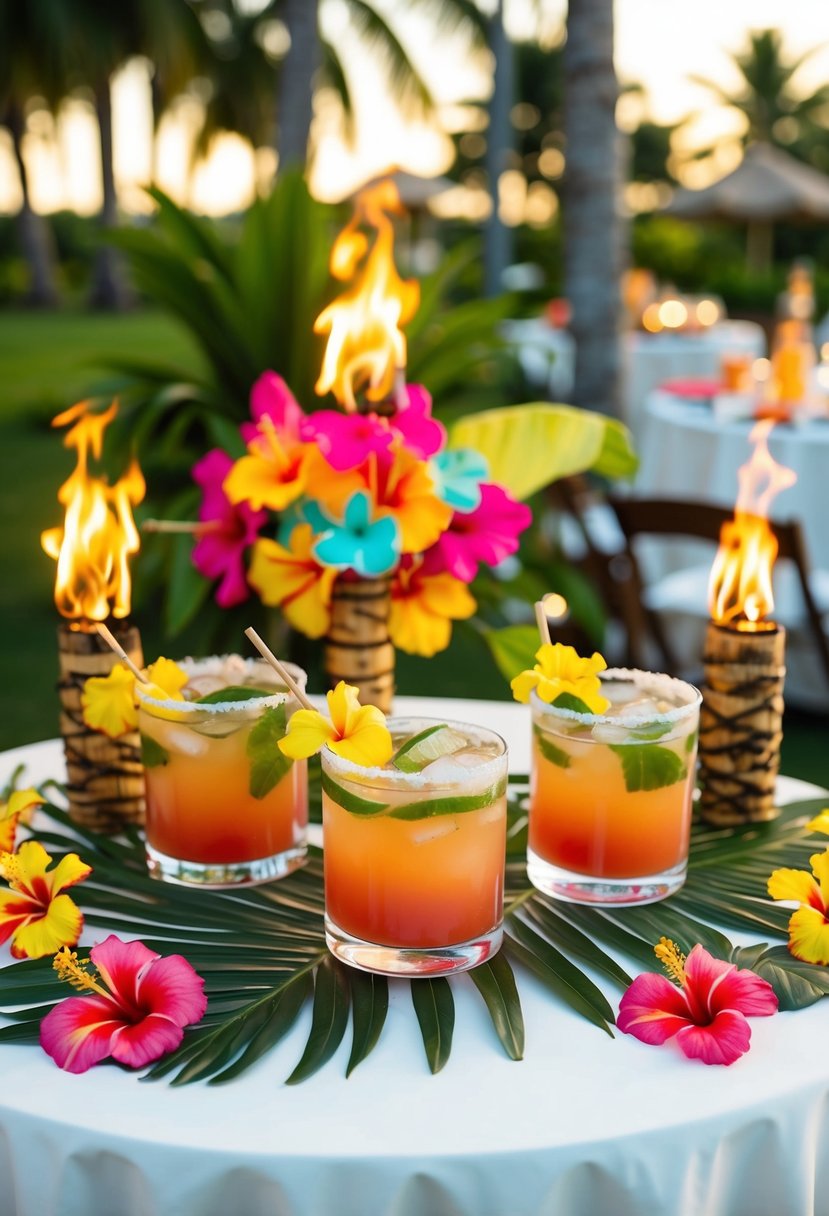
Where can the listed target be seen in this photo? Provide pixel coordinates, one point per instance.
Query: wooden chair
(673, 517)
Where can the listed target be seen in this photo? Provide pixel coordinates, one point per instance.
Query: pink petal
(120, 965)
(171, 987)
(150, 1039)
(346, 439)
(452, 553)
(421, 434)
(209, 473)
(78, 1032)
(271, 398)
(721, 1042)
(234, 588)
(653, 1009)
(714, 985)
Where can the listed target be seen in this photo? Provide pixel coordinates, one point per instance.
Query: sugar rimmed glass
(611, 794)
(414, 862)
(223, 806)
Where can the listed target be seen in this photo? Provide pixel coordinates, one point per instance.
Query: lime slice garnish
(428, 745)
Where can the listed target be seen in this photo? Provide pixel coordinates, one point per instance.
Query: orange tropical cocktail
(611, 793)
(224, 806)
(414, 851)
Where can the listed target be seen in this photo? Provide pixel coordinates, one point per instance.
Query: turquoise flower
(457, 475)
(371, 547)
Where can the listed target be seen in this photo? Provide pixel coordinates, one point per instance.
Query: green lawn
(48, 361)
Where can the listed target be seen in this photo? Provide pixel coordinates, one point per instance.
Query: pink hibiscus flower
(136, 1011)
(220, 552)
(345, 440)
(487, 534)
(422, 434)
(705, 1009)
(271, 398)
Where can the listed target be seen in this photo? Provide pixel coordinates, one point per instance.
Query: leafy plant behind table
(263, 956)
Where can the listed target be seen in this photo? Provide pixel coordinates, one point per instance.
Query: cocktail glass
(611, 794)
(224, 806)
(414, 862)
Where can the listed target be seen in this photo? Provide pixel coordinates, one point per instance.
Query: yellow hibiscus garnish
(356, 732)
(34, 913)
(108, 702)
(820, 823)
(559, 669)
(19, 802)
(809, 924)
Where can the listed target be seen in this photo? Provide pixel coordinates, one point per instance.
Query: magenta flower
(422, 434)
(137, 1008)
(271, 398)
(487, 534)
(704, 1009)
(220, 551)
(345, 440)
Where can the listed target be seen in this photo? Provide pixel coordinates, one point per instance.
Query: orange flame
(98, 533)
(740, 588)
(366, 345)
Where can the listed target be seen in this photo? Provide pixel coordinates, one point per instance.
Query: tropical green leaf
(187, 588)
(529, 446)
(513, 648)
(284, 1010)
(435, 1009)
(796, 984)
(369, 1006)
(329, 1020)
(495, 981)
(559, 974)
(268, 765)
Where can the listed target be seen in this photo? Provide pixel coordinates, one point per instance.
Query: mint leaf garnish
(352, 803)
(655, 731)
(691, 741)
(548, 749)
(647, 766)
(267, 763)
(566, 700)
(234, 692)
(152, 753)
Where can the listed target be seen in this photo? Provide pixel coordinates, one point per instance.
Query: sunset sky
(660, 43)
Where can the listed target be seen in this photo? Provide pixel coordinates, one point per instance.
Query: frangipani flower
(422, 434)
(820, 823)
(34, 913)
(559, 669)
(273, 474)
(293, 579)
(809, 924)
(369, 546)
(345, 440)
(220, 553)
(458, 474)
(19, 802)
(488, 534)
(704, 1009)
(136, 1012)
(108, 702)
(355, 732)
(423, 607)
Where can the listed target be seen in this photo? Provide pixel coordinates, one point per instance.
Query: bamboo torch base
(741, 724)
(358, 649)
(106, 777)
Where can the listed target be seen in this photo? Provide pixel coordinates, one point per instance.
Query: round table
(651, 359)
(584, 1126)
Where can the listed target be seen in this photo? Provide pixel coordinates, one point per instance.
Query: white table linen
(584, 1126)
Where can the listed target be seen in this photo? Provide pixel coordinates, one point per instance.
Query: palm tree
(32, 64)
(590, 212)
(774, 110)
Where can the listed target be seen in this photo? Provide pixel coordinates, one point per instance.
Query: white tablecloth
(584, 1126)
(651, 359)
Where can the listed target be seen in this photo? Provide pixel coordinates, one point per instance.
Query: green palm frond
(408, 86)
(263, 957)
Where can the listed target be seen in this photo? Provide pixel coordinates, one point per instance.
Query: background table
(584, 1126)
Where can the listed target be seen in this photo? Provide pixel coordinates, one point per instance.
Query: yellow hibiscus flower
(809, 924)
(355, 732)
(108, 702)
(19, 802)
(34, 913)
(559, 669)
(293, 580)
(423, 607)
(273, 474)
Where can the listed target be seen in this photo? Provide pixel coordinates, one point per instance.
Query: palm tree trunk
(497, 237)
(591, 213)
(35, 236)
(296, 80)
(109, 289)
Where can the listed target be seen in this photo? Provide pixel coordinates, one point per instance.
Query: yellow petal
(169, 677)
(820, 823)
(523, 684)
(27, 869)
(293, 580)
(369, 743)
(820, 868)
(22, 800)
(343, 706)
(108, 702)
(447, 596)
(416, 631)
(794, 884)
(308, 730)
(274, 480)
(809, 936)
(60, 926)
(69, 870)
